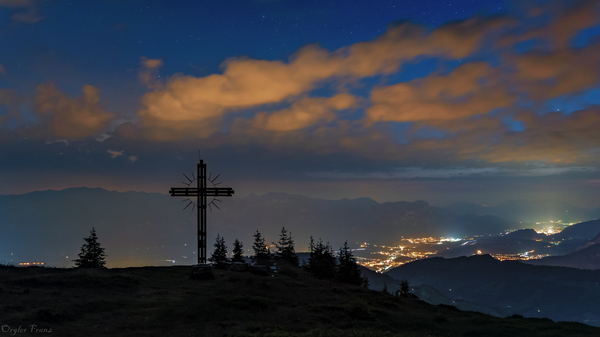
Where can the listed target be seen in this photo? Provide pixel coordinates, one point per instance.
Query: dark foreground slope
(163, 301)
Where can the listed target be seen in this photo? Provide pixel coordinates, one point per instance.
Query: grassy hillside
(509, 287)
(164, 301)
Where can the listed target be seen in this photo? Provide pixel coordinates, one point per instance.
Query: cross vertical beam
(201, 183)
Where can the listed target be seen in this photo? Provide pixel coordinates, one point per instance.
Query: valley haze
(139, 228)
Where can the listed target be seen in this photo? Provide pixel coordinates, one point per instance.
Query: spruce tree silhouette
(92, 255)
(404, 289)
(262, 255)
(385, 288)
(238, 252)
(285, 248)
(348, 270)
(220, 252)
(321, 261)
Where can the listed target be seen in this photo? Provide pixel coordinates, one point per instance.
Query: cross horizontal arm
(193, 191)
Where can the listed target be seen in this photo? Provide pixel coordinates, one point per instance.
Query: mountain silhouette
(572, 238)
(520, 241)
(138, 228)
(528, 211)
(509, 287)
(581, 231)
(587, 258)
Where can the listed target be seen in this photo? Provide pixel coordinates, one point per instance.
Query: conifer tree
(321, 261)
(92, 255)
(385, 288)
(262, 255)
(220, 252)
(404, 288)
(366, 282)
(285, 248)
(348, 270)
(238, 252)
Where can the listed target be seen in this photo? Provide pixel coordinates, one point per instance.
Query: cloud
(450, 172)
(29, 15)
(558, 72)
(303, 113)
(407, 41)
(278, 105)
(470, 89)
(583, 15)
(148, 72)
(552, 138)
(68, 117)
(454, 106)
(115, 154)
(11, 100)
(565, 19)
(247, 83)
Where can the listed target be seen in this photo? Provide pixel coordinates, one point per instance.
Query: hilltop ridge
(151, 301)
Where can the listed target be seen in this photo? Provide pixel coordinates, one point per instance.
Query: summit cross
(201, 192)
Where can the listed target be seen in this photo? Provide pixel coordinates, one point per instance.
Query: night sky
(444, 101)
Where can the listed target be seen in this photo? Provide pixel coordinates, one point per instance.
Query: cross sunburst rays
(190, 182)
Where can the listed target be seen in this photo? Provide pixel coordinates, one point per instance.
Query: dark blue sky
(396, 100)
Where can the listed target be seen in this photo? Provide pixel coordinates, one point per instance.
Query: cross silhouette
(201, 192)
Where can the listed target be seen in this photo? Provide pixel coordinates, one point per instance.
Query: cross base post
(202, 271)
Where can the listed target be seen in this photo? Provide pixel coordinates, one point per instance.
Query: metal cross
(201, 192)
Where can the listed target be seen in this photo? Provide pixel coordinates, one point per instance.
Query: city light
(411, 249)
(27, 264)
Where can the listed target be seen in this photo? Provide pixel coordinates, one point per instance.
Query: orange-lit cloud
(470, 89)
(115, 154)
(303, 113)
(557, 72)
(583, 15)
(244, 83)
(551, 138)
(283, 105)
(567, 19)
(554, 137)
(457, 103)
(248, 83)
(68, 117)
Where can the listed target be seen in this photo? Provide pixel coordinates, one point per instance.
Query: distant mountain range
(582, 231)
(505, 288)
(586, 257)
(571, 239)
(138, 228)
(528, 211)
(520, 241)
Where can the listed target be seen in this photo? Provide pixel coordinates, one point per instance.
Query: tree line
(323, 263)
